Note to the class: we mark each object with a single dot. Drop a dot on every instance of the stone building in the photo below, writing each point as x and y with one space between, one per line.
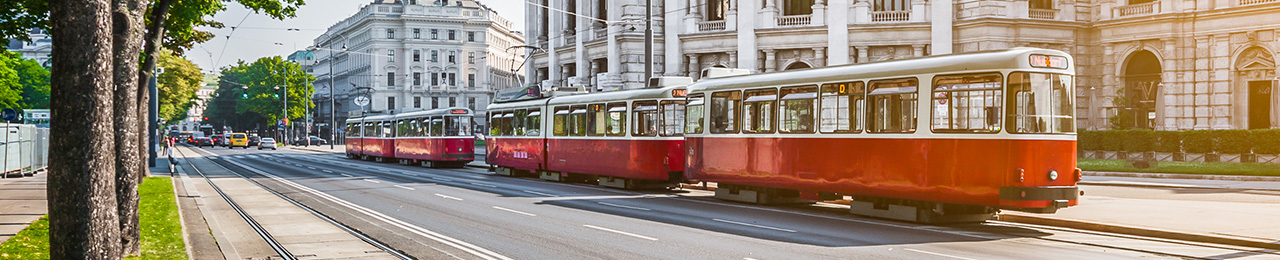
415 55
40 48
1175 64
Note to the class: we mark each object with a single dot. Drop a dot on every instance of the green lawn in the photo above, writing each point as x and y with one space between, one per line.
158 216
1218 168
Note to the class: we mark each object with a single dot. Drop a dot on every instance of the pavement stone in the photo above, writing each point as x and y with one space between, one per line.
22 202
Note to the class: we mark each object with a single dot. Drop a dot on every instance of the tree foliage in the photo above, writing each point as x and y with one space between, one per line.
177 85
262 77
35 84
10 86
19 16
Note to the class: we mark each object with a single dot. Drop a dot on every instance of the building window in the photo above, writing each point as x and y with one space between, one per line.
453 77
417 102
892 5
471 36
391 103
391 55
1041 4
435 102
417 78
453 101
417 33
417 55
435 56
471 80
435 34
391 79
471 58
435 79
716 9
471 103
451 57
451 35
391 33
798 7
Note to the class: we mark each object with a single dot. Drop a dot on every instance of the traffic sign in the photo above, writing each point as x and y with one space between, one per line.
362 101
8 114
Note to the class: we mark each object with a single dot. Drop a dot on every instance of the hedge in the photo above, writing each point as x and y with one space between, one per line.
1233 141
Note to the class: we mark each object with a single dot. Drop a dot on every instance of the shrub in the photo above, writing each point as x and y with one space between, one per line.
1266 141
1086 140
1168 141
1233 141
1137 140
1109 140
1198 141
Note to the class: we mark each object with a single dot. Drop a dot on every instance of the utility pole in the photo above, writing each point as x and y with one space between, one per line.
648 41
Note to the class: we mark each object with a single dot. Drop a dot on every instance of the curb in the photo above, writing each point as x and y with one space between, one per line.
1140 231
1182 176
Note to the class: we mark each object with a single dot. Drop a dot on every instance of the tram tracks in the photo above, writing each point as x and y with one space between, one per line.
271 241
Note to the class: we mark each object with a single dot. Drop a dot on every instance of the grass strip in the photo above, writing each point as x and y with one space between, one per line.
1202 168
158 221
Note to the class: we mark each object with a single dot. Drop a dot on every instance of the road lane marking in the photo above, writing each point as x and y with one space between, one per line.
937 254
539 193
439 179
372 180
453 242
483 185
753 225
309 167
326 171
621 232
448 197
403 187
515 211
347 175
622 206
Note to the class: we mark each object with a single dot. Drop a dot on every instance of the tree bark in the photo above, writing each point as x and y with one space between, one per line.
83 223
151 44
127 26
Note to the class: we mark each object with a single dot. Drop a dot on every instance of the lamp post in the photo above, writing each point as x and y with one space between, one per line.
285 105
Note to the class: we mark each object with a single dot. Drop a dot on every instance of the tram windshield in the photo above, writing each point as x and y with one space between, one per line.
457 126
1041 103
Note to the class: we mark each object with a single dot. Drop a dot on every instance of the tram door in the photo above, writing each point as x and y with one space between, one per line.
1259 104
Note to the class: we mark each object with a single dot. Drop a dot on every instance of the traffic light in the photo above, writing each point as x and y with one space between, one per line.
276 95
245 95
206 118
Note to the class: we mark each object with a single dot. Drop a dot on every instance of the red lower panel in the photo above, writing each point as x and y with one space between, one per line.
354 145
435 149
519 153
961 171
634 159
378 147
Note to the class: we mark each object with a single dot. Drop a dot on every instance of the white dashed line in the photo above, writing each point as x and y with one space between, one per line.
372 180
622 206
439 179
515 211
403 187
448 197
937 254
754 225
326 171
483 185
540 193
346 175
621 232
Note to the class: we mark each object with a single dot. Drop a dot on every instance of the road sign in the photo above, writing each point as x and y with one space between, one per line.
8 114
362 101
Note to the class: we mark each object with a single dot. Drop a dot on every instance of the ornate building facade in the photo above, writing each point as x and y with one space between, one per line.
415 55
1141 63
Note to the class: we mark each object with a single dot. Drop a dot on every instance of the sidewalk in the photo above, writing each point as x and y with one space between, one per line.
22 201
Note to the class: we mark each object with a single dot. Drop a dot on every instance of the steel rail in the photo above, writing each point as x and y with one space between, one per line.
284 253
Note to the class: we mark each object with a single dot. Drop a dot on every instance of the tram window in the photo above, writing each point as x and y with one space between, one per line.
458 125
967 103
672 118
386 130
517 122
437 126
560 122
646 117
798 105
533 122
595 120
495 123
724 111
506 123
578 120
419 127
693 115
616 119
893 106
842 105
758 111
400 127
1040 103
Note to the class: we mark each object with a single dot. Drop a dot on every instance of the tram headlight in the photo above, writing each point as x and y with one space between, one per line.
1053 175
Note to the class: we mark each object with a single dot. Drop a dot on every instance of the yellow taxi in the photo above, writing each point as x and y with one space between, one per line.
238 139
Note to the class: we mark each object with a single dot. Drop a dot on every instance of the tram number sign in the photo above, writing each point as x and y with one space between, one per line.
520 154
458 111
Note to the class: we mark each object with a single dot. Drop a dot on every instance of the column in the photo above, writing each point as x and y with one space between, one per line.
768 15
553 41
940 27
671 41
747 35
695 68
530 25
580 51
691 16
861 12
770 60
919 11
819 57
862 53
614 53
731 16
733 58
917 50
838 32
819 13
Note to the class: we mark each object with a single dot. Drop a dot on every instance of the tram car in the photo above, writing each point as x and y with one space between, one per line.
432 138
950 138
628 139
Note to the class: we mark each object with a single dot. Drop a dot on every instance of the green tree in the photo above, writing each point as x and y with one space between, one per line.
179 82
10 83
261 100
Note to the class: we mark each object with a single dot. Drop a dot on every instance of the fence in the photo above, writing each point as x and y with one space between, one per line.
25 149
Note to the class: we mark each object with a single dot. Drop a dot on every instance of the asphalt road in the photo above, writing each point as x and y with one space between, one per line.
472 214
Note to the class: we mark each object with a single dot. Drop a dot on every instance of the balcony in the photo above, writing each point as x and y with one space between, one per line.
1138 9
1256 2
792 20
601 33
1047 14
890 16
711 26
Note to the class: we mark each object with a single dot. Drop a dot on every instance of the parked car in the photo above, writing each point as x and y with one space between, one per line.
254 140
203 141
267 143
310 140
238 140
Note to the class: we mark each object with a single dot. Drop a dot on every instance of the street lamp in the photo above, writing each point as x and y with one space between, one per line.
285 101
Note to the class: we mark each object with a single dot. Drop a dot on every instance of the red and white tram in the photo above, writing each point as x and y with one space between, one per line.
625 139
995 130
438 137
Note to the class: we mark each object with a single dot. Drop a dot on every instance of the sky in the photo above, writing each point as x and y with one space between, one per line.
258 36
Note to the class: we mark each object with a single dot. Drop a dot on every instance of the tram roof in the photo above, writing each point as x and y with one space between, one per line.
1015 58
435 112
647 93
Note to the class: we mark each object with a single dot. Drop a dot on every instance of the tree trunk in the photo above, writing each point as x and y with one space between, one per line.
151 44
82 204
127 43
